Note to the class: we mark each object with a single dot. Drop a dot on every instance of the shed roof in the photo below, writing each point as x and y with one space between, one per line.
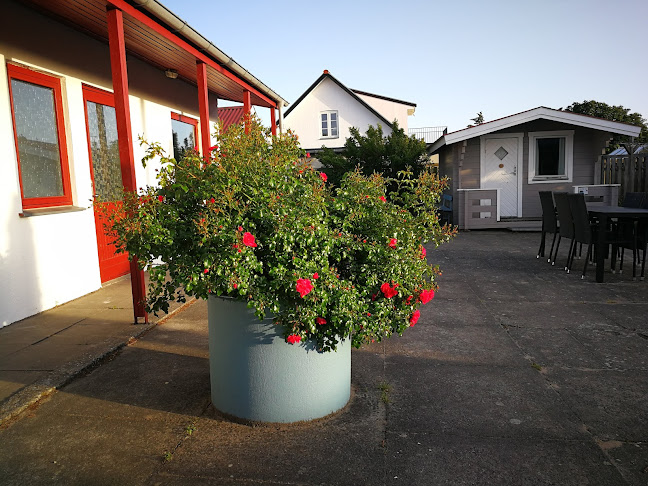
541 112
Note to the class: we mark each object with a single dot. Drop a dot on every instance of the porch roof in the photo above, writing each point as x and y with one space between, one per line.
156 35
537 113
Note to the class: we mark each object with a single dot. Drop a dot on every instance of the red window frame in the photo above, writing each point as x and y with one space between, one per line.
40 79
188 120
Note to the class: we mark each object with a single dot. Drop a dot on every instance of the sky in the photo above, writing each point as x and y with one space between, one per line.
452 58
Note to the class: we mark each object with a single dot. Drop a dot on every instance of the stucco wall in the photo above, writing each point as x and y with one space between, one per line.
305 119
389 109
47 260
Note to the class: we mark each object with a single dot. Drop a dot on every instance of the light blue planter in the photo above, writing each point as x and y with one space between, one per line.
257 376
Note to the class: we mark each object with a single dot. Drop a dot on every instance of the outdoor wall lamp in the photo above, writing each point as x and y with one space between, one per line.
171 73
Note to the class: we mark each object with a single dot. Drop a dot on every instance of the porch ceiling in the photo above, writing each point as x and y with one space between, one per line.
150 45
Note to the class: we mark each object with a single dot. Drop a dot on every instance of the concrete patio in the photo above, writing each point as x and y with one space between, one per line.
516 373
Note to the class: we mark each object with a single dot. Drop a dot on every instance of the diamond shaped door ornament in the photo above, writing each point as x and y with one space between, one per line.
500 153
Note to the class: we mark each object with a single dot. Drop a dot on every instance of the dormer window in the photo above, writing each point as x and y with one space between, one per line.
329 121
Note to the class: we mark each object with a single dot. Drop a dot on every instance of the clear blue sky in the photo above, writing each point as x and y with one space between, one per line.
451 58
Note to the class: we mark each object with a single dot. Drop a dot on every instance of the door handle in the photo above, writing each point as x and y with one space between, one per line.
514 170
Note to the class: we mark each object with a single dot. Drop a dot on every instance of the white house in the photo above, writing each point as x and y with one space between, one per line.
79 81
324 113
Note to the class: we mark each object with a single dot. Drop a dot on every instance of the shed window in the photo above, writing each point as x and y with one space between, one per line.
550 156
39 132
329 124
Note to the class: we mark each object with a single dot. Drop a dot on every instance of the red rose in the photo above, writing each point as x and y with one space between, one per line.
392 243
212 200
308 154
213 147
423 252
388 291
383 199
240 228
235 286
248 240
323 176
320 320
415 317
160 198
206 270
315 276
304 286
426 296
293 338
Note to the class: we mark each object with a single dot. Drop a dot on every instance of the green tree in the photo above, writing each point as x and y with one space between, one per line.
613 113
375 152
478 120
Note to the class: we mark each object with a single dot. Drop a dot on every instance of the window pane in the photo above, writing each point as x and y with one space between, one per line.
333 117
550 156
38 145
324 118
104 150
183 138
324 125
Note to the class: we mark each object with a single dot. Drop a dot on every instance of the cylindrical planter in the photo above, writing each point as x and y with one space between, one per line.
257 376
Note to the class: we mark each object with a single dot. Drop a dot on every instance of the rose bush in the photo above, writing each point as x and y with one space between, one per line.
254 221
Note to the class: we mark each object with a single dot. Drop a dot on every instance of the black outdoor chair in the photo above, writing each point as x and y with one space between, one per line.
584 231
549 222
631 235
565 224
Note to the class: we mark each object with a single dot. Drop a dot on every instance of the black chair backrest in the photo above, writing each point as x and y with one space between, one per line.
564 215
582 228
644 204
633 199
549 223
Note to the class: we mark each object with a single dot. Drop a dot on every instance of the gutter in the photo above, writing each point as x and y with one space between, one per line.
183 28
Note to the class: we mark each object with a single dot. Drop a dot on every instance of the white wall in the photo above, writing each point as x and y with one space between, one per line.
47 260
305 119
391 110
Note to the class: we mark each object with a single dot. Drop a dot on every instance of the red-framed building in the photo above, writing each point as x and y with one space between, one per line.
80 80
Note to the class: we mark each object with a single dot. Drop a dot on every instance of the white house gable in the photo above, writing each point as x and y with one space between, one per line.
327 99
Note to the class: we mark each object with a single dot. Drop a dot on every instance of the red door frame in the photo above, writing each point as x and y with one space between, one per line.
116 265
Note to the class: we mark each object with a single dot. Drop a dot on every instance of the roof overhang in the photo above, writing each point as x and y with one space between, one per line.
156 35
537 114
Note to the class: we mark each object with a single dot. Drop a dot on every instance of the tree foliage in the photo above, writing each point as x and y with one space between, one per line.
375 152
612 113
478 120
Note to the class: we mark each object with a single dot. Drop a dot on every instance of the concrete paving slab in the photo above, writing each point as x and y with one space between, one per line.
630 458
12 381
444 335
75 449
421 459
613 405
551 347
430 397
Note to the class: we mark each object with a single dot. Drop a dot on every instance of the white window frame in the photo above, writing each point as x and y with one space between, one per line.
568 135
328 123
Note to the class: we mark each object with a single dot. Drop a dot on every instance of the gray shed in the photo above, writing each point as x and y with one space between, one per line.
496 169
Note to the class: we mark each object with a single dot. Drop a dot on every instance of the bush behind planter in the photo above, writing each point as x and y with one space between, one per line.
256 222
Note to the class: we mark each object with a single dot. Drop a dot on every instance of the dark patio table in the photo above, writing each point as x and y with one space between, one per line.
603 213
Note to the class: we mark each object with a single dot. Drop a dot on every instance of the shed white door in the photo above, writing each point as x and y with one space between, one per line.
500 171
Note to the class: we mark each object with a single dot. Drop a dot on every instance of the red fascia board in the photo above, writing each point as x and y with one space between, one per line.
141 17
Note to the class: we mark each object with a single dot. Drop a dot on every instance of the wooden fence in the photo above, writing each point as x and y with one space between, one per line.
630 172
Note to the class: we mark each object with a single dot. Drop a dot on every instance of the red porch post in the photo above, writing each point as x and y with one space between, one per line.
203 106
126 154
247 107
273 122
